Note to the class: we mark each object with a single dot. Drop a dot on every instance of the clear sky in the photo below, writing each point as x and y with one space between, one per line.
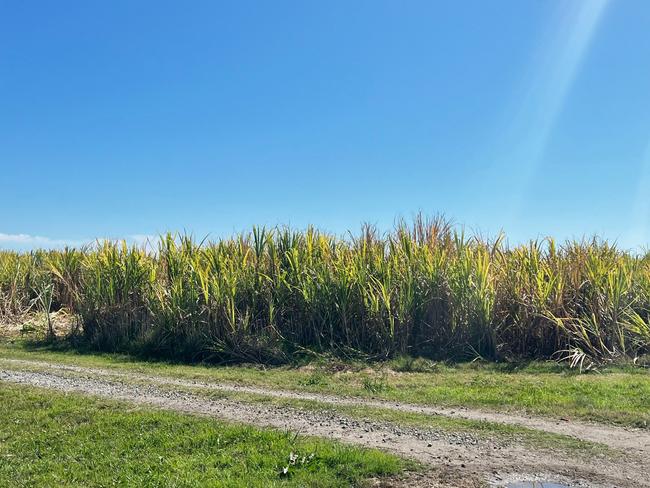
130 118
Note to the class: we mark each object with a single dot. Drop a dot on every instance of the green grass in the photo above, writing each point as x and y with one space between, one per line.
53 439
618 395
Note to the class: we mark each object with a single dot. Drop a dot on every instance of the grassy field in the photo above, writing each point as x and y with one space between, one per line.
270 296
51 439
617 394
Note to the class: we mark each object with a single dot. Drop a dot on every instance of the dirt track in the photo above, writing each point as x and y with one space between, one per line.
459 459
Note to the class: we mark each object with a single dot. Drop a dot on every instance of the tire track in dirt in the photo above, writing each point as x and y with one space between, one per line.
626 439
465 458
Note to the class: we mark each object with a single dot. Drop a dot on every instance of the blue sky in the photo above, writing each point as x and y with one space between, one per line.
123 119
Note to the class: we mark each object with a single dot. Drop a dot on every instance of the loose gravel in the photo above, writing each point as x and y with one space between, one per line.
453 456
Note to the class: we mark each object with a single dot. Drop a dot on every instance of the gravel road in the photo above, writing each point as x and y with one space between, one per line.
455 459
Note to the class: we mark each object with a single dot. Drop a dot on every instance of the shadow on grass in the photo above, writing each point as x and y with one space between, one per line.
332 361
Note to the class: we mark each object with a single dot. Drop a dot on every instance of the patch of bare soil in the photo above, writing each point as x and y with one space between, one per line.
454 459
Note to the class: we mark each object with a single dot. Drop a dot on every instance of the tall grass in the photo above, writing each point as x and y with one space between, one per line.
21 278
424 288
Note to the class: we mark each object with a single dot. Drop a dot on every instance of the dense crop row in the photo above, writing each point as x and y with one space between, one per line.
423 289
